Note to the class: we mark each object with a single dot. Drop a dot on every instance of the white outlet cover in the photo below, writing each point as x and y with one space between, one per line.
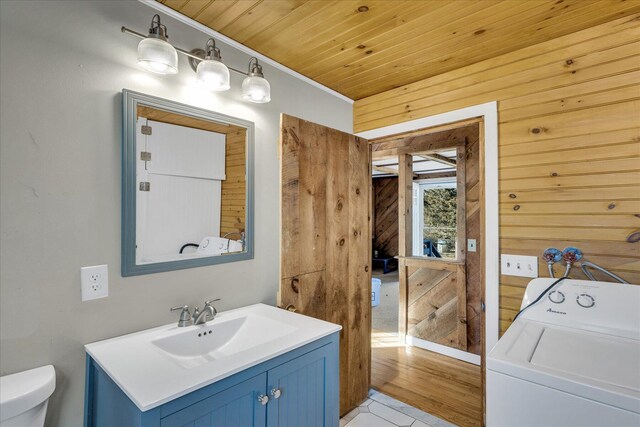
94 282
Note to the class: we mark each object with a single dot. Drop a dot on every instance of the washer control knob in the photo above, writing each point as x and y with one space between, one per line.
585 300
556 297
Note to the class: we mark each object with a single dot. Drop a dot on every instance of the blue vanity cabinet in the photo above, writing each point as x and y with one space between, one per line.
236 406
302 386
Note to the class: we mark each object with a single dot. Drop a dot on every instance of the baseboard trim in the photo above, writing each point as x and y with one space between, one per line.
443 349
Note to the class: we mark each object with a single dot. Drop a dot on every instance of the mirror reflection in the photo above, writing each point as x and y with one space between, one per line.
190 186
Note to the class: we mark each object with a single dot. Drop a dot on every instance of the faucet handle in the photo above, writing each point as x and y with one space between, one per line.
214 311
185 316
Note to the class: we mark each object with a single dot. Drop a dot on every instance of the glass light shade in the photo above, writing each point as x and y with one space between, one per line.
256 89
214 75
157 56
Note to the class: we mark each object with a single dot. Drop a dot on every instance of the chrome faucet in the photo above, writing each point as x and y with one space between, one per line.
239 233
208 313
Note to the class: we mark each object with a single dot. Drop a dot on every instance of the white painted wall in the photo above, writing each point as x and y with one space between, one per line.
63 66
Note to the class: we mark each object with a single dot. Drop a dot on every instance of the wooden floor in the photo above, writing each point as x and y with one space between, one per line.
442 386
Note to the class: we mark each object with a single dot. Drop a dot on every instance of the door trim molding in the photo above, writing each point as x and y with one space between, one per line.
489 113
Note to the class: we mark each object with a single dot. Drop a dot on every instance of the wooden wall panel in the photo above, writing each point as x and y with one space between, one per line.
385 215
234 188
569 143
326 240
436 302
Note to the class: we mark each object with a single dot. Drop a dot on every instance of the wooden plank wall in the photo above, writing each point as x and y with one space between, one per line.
325 257
385 215
569 143
234 188
436 301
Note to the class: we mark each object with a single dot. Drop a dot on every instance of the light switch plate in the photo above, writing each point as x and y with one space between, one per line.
519 265
471 245
95 282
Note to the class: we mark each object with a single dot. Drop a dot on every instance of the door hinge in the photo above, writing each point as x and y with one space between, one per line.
145 186
482 306
145 155
146 130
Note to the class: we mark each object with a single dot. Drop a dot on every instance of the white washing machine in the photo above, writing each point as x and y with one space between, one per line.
572 359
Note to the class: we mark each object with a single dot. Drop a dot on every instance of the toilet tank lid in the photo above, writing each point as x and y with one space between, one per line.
22 391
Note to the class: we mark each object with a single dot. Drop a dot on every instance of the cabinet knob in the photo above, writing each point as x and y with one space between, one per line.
275 393
263 399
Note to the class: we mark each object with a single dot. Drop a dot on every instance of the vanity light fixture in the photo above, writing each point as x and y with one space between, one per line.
157 55
212 73
255 88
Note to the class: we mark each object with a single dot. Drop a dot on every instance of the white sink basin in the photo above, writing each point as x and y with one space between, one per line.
195 346
157 365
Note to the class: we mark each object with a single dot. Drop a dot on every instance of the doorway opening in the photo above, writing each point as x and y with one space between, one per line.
427 286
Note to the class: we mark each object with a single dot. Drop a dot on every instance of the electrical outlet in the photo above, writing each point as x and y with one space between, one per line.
519 265
95 282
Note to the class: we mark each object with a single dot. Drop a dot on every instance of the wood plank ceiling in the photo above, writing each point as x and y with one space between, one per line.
363 47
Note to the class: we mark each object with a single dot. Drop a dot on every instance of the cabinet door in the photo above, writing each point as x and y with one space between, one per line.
308 393
237 406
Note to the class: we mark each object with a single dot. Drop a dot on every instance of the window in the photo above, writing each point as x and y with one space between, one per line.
439 227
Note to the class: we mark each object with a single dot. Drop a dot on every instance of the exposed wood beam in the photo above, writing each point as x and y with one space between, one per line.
385 169
439 158
390 147
405 204
405 233
441 130
414 145
436 175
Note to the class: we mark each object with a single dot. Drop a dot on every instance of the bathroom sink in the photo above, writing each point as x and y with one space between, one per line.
158 365
195 346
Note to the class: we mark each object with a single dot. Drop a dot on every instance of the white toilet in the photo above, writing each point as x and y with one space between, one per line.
24 397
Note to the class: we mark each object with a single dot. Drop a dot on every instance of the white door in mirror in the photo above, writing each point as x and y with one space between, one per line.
95 282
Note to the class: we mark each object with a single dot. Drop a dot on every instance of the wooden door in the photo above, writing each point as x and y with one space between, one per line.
326 240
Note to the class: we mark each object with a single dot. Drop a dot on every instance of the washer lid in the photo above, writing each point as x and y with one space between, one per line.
604 358
595 366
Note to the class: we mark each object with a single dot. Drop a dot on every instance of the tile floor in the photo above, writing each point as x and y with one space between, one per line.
381 410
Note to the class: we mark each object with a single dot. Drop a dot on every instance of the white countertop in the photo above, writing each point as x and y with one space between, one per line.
150 377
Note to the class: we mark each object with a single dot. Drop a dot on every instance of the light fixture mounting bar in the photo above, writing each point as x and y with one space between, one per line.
182 51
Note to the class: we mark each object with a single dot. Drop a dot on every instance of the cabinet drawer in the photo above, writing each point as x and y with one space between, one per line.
237 406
